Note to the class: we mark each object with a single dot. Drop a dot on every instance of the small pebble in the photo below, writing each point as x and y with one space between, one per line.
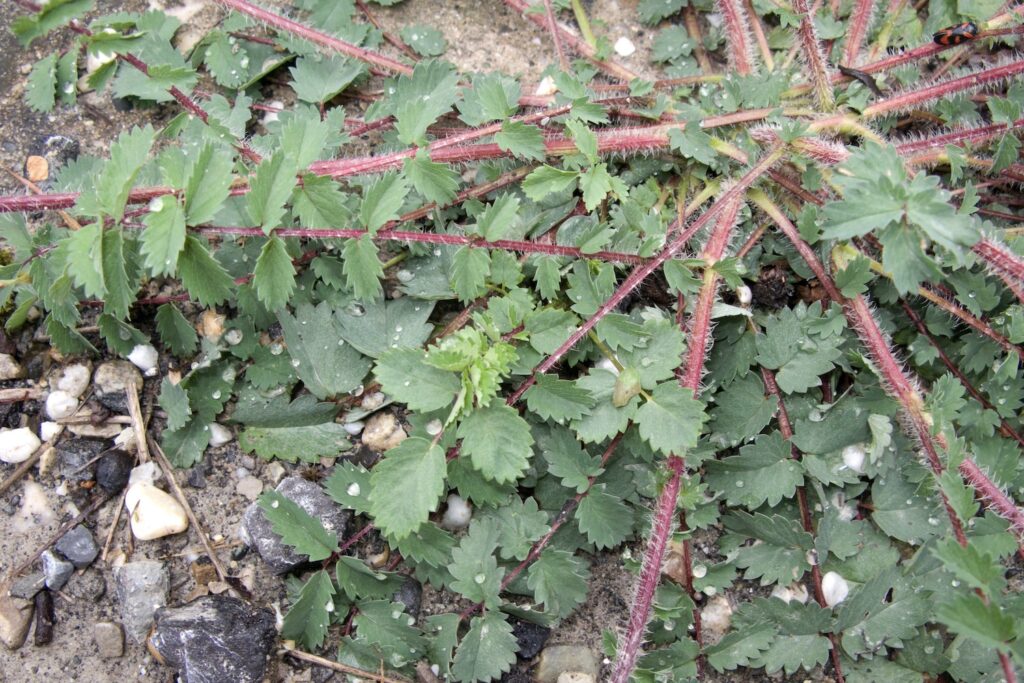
546 87
27 586
624 47
558 659
382 432
211 325
10 368
74 379
142 589
60 404
716 617
45 617
109 639
154 512
457 514
854 456
111 379
113 470
48 430
275 472
125 440
372 401
145 358
249 487
835 588
219 435
37 169
18 445
15 617
78 546
56 571
354 428
744 295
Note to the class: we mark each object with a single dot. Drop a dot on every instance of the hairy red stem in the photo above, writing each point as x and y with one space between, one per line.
553 30
858 25
815 58
944 89
737 35
1003 262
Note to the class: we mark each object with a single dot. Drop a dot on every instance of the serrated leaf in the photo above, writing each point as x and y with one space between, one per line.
971 566
209 180
85 259
379 326
474 567
269 370
307 621
740 648
794 652
120 336
427 41
270 188
521 140
568 461
254 410
349 485
274 276
164 237
558 399
174 400
298 528
763 472
742 409
596 183
363 268
41 89
405 376
204 278
324 367
358 581
486 651
496 220
520 523
407 485
604 420
421 98
292 444
184 447
559 580
384 624
320 202
436 182
120 292
317 79
493 96
49 16
127 157
604 518
547 179
986 623
469 271
498 441
854 278
224 59
671 419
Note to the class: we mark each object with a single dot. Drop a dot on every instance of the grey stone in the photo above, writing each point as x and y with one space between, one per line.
109 638
215 638
27 586
558 659
79 546
113 470
280 557
56 570
76 458
142 589
110 381
410 594
89 585
530 637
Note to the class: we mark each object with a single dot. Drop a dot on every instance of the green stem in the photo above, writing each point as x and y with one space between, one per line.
583 23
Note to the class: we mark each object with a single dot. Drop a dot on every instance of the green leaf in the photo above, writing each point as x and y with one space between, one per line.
427 41
51 14
379 326
559 580
174 400
405 376
274 276
604 518
547 179
870 619
184 447
320 202
967 615
520 523
971 566
307 621
436 182
596 183
324 367
781 558
521 140
584 139
209 180
798 359
164 237
382 623
498 218
854 278
270 188
693 143
120 292
763 472
121 337
127 156
740 648
568 461
558 399
493 97
298 528
469 271
474 567
175 331
486 651
291 444
407 485
498 441
41 89
420 99
357 580
363 268
793 652
254 410
85 259
382 201
742 409
671 419
349 485
204 278
316 78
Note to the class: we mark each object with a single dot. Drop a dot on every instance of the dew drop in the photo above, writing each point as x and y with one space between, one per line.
434 427
480 578
233 336
405 275
353 489
276 349
355 309
216 395
739 483
699 571
296 362
275 504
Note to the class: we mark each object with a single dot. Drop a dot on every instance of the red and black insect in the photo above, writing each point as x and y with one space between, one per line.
954 35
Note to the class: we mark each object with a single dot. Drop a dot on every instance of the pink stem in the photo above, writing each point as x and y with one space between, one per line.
858 25
553 29
812 53
737 34
945 89
1003 262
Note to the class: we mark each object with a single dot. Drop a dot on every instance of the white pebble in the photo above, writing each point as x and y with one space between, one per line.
271 116
18 445
716 617
546 87
788 593
154 513
457 514
219 434
354 428
125 440
145 358
10 368
744 295
74 379
853 457
624 47
48 430
372 401
60 404
835 588
146 473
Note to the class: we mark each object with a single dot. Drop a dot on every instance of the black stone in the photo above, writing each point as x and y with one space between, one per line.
77 456
530 637
113 470
410 594
215 638
45 617
78 546
310 497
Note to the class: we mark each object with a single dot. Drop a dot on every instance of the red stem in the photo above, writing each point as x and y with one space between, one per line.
945 89
737 33
857 29
388 36
553 30
1003 262
812 53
